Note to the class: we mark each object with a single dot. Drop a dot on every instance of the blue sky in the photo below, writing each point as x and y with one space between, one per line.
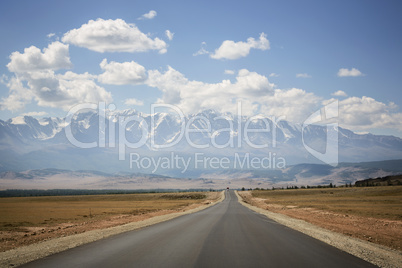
282 58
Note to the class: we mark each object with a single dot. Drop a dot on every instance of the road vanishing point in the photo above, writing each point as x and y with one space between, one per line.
224 235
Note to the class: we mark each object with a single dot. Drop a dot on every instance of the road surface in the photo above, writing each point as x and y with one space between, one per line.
225 235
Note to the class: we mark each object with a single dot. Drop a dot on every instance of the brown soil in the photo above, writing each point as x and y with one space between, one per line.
380 231
22 236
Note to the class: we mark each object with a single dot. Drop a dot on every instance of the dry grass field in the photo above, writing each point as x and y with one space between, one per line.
26 220
40 211
377 202
370 213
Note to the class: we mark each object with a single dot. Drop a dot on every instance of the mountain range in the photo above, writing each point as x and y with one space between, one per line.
28 143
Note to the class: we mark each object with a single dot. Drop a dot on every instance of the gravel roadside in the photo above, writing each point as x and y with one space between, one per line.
370 252
33 252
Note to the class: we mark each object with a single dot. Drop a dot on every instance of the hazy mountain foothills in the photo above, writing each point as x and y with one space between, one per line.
35 153
301 175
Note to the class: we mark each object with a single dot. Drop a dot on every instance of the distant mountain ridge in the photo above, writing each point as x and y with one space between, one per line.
30 143
299 175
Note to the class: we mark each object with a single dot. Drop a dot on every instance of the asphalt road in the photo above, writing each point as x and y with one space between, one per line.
225 235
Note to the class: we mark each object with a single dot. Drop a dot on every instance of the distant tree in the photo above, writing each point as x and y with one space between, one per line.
243 189
330 185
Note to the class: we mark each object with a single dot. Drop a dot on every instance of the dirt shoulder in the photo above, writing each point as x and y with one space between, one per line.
352 234
41 242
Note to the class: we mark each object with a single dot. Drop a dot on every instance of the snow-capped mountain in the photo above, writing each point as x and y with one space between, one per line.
27 142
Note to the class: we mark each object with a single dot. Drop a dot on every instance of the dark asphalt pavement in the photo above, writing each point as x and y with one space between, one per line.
225 235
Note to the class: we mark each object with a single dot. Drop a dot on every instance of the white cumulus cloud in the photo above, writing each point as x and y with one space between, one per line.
169 35
343 72
66 90
133 102
18 96
340 93
253 90
116 73
48 89
54 57
34 114
293 105
202 50
273 75
113 36
234 50
35 80
231 72
303 75
365 113
150 15
195 96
